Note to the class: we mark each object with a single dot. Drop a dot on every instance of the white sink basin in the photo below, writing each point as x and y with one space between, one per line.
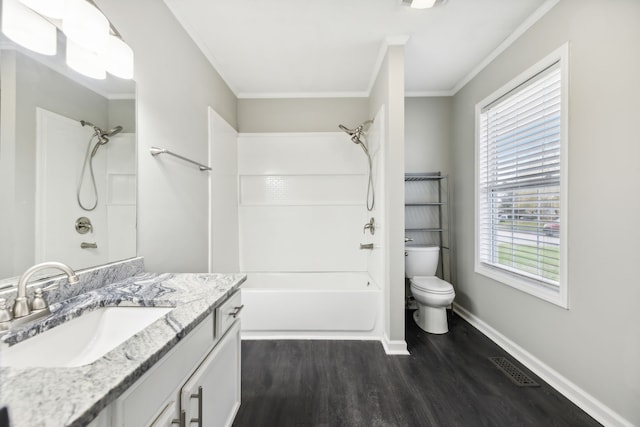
82 340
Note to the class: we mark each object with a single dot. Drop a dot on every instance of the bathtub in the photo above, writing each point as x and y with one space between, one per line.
311 306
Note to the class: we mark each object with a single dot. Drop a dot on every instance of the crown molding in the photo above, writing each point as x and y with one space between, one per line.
515 35
396 40
297 95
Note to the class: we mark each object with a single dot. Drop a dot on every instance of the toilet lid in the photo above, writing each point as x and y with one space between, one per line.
432 284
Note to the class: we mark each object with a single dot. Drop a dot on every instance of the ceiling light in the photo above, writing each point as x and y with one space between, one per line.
119 58
52 8
27 28
419 4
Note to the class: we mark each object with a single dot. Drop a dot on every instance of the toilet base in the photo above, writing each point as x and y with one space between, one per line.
431 320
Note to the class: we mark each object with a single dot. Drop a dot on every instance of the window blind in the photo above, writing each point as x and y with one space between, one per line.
519 179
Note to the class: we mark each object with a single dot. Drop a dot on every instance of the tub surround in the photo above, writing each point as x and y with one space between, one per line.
75 396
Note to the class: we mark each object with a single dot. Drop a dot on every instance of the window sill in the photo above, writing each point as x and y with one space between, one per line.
531 287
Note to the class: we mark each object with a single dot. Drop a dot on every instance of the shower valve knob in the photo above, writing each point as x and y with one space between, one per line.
83 225
371 226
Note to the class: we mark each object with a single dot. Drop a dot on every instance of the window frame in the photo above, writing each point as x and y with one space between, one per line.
560 295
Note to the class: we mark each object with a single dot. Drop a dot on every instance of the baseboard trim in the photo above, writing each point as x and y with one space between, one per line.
391 347
394 347
270 335
592 406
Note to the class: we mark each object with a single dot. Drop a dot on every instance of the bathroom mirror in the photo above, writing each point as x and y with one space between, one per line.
43 149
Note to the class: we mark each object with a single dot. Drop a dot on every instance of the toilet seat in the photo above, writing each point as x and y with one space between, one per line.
432 284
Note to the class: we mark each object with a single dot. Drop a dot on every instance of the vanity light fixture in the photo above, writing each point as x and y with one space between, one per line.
87 62
53 9
119 58
27 28
85 25
421 4
94 46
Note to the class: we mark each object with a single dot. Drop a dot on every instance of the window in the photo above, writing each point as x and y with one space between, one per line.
521 181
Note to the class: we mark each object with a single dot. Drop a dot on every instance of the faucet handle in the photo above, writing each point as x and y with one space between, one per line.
21 307
5 315
371 226
38 303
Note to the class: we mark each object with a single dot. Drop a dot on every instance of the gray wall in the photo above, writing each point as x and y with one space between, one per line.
596 343
122 112
388 91
33 85
300 114
175 85
427 134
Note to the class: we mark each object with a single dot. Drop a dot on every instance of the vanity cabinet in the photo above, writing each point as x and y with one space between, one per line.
211 397
196 384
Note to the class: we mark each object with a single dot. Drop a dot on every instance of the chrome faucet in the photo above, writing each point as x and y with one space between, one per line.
21 306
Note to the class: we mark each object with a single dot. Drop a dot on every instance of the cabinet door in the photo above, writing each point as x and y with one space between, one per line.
168 417
211 397
146 400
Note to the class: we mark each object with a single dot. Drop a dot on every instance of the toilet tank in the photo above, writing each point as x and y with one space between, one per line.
421 260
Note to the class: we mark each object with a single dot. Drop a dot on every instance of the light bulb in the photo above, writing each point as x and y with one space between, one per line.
85 61
85 25
422 4
51 8
27 28
119 58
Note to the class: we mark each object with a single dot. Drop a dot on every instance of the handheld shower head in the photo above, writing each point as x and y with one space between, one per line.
355 135
102 134
357 132
113 131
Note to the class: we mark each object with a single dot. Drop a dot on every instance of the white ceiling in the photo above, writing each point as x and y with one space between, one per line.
293 48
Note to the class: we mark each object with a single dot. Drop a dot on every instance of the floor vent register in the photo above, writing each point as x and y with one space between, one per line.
516 375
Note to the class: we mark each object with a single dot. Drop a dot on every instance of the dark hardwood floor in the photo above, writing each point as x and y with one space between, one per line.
446 381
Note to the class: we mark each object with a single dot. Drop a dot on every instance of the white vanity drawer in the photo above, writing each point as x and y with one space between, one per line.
140 405
227 313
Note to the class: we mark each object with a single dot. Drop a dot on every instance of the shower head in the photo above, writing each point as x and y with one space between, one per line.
355 135
357 132
103 137
102 134
113 131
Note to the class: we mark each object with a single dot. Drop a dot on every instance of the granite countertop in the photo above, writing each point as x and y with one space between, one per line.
75 396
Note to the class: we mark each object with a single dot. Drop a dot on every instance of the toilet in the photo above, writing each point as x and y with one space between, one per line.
432 294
